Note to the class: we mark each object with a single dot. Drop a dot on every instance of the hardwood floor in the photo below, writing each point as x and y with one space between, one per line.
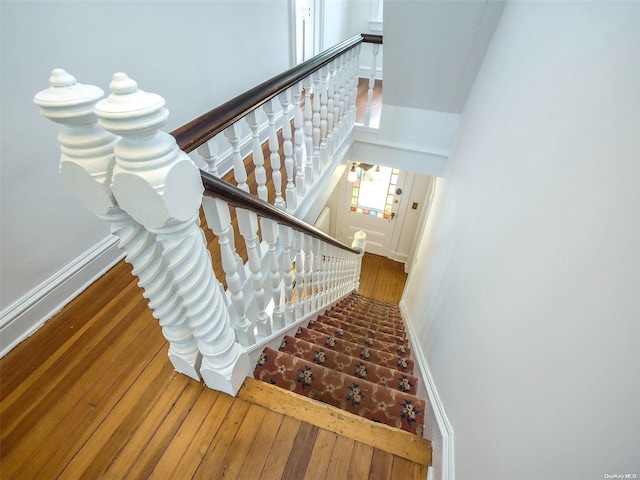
93 395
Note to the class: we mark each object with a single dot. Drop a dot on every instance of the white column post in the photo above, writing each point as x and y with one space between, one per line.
86 167
160 187
270 109
258 156
290 192
372 83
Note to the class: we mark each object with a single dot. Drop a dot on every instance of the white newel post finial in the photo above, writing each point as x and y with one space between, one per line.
160 187
86 167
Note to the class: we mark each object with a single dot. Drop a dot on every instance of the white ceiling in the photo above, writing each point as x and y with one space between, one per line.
433 50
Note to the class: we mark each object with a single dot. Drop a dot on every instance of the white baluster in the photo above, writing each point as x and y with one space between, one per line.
258 156
232 134
286 272
209 153
354 84
321 263
270 109
248 227
359 243
160 187
298 244
324 73
308 270
86 167
287 146
343 97
316 122
331 92
372 83
269 230
315 274
219 220
298 124
308 131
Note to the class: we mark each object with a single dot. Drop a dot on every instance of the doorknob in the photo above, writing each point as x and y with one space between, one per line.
393 215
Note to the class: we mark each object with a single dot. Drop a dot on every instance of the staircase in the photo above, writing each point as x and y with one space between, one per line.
354 357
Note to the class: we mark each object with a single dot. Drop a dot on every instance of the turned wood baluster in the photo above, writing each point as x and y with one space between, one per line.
331 92
269 229
270 109
308 271
336 103
343 96
315 274
298 123
209 153
219 220
348 91
316 122
258 157
248 227
372 83
324 157
287 146
232 134
86 167
160 187
298 242
308 131
287 273
354 84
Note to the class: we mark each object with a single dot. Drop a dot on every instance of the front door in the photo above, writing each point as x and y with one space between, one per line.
373 202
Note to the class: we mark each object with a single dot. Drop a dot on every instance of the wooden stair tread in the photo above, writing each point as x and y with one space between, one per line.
333 419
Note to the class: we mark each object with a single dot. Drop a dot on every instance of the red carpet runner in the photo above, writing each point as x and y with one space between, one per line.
354 357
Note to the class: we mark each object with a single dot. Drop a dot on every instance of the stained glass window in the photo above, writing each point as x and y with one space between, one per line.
373 192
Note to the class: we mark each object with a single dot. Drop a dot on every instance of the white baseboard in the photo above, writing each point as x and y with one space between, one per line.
443 439
22 318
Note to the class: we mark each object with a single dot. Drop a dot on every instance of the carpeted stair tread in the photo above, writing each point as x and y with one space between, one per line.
392 309
353 366
359 319
403 364
368 325
369 400
381 320
400 350
364 331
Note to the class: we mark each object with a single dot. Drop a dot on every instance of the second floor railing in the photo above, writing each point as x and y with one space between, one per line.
118 162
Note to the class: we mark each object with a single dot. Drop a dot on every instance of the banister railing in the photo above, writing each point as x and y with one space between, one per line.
151 198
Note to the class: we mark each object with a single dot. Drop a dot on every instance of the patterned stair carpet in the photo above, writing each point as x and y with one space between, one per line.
354 357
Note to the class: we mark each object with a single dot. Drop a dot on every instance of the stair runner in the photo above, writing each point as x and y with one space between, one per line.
354 357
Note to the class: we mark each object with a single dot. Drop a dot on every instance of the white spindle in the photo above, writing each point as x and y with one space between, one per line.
232 134
308 131
298 244
324 73
315 274
308 271
286 272
331 92
209 153
248 227
270 109
287 146
86 167
298 124
219 220
160 187
316 122
258 156
372 83
354 84
269 230
343 96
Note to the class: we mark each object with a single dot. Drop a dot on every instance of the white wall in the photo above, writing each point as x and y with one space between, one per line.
525 291
196 54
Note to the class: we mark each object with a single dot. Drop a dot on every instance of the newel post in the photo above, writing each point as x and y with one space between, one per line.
86 166
160 187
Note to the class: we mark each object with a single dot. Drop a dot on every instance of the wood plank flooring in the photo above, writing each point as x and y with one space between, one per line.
93 395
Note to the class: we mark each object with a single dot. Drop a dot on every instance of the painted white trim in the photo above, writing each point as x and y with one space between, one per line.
23 317
364 72
446 462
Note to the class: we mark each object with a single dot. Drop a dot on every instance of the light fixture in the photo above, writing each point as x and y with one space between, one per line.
353 174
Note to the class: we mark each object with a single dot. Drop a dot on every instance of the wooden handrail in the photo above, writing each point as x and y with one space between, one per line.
216 188
193 134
